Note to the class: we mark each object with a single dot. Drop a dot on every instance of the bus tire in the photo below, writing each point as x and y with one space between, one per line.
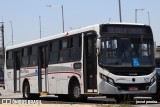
26 90
119 98
156 98
130 97
75 91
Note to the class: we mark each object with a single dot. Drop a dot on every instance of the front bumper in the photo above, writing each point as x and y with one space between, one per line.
106 88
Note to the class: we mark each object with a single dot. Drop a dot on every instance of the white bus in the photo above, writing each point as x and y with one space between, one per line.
104 59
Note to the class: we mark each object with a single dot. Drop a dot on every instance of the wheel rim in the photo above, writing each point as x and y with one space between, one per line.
76 92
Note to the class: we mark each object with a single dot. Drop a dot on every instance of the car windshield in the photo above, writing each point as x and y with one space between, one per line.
126 52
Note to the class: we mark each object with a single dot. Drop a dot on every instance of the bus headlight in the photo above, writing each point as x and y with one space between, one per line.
107 79
153 79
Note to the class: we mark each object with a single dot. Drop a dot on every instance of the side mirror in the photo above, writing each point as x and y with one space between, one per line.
98 45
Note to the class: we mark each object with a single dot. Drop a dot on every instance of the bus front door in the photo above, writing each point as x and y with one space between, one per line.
17 71
90 64
42 67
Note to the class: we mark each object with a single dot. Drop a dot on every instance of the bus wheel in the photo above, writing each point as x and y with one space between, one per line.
155 98
130 97
75 91
26 90
119 98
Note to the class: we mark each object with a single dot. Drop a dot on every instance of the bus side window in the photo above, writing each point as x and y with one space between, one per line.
25 57
54 52
64 50
75 50
9 60
33 56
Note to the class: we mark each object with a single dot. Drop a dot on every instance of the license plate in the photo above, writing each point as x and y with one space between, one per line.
133 88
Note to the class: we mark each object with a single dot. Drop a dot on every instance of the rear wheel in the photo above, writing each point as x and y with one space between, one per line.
26 90
27 94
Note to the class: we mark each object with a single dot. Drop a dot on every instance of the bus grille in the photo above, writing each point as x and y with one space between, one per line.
143 86
131 72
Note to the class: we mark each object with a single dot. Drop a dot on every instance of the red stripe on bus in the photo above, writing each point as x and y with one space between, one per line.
54 73
30 68
65 73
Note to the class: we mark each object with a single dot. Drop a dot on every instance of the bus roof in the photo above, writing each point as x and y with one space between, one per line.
125 23
80 30
84 29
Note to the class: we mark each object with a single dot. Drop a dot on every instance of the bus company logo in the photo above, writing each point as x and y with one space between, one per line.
16 101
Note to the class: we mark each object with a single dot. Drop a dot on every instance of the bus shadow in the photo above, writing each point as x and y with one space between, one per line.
95 100
46 100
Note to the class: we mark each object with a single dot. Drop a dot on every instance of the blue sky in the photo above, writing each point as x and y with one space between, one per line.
24 15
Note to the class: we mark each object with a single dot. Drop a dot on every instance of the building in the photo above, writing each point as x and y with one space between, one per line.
157 53
1 57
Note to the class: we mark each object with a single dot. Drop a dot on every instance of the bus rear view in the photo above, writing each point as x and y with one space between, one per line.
126 60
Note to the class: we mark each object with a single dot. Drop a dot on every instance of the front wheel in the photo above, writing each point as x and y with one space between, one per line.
156 98
123 98
75 92
119 98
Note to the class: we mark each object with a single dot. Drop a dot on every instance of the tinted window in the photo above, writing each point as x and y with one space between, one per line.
33 61
54 52
25 57
75 50
66 49
64 52
9 60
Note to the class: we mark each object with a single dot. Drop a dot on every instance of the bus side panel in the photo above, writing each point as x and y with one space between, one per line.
9 80
34 84
53 73
31 74
59 77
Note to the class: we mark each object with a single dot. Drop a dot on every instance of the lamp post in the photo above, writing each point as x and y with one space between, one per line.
62 18
136 14
148 18
120 17
12 31
109 19
62 15
3 48
40 31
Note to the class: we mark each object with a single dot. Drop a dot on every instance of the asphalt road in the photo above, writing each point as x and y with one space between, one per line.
138 101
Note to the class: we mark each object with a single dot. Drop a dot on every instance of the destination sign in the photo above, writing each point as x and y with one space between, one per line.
124 29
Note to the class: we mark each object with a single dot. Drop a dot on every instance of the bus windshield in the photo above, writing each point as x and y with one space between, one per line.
131 52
